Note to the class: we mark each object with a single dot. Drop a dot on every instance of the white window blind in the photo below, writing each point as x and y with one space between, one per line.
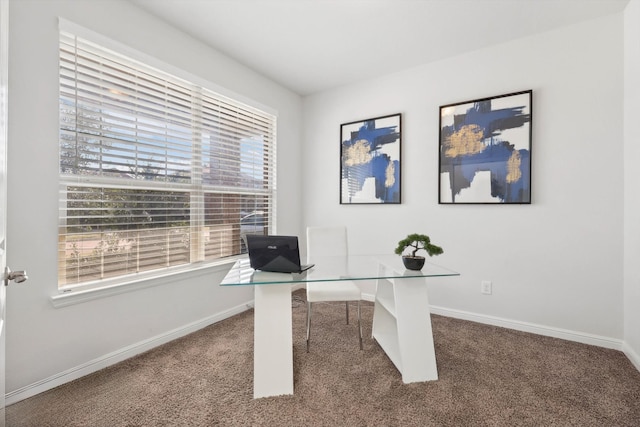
155 172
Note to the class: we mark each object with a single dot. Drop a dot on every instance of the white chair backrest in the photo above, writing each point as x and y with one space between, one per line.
323 241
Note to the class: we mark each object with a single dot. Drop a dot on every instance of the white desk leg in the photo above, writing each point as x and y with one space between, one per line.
415 335
272 341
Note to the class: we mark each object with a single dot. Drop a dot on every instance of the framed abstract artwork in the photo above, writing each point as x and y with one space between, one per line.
370 160
485 150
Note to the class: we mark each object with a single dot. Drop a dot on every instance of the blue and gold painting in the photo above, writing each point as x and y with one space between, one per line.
485 150
370 161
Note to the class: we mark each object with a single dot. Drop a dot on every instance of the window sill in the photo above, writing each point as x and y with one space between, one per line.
72 297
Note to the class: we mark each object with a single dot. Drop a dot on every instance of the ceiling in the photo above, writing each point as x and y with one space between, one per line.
313 45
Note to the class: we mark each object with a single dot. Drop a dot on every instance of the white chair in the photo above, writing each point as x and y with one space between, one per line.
324 241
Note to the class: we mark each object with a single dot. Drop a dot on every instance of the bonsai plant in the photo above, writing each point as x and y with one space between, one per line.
416 242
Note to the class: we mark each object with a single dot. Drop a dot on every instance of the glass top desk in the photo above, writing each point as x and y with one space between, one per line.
401 318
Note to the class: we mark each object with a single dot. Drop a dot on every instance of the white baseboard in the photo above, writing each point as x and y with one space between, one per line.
368 297
135 349
533 328
631 355
118 356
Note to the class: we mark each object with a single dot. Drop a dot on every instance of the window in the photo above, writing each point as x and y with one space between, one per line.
155 172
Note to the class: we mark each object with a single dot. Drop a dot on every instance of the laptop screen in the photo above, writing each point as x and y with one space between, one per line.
274 253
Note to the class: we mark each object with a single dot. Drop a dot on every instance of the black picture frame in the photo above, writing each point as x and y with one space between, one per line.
370 160
485 150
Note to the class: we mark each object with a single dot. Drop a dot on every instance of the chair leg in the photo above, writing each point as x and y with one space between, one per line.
347 308
347 304
308 323
359 326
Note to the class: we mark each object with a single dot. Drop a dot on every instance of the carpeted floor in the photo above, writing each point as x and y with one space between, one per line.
489 376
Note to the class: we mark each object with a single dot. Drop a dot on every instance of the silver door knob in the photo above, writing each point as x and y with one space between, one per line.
15 276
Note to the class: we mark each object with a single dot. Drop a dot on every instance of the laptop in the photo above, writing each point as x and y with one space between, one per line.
279 254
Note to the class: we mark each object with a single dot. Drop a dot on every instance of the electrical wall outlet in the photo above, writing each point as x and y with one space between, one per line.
485 287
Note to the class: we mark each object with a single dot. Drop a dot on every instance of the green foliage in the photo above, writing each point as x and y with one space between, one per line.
417 242
97 209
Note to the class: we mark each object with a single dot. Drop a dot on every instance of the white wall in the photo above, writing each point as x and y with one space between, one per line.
632 184
44 343
555 264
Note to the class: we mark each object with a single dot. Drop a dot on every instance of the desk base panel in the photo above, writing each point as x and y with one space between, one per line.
273 341
402 327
